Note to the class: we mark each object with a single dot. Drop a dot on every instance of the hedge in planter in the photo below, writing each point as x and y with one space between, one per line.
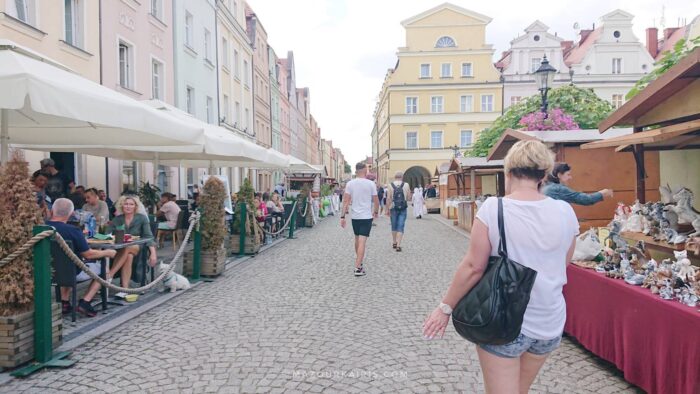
252 238
213 229
19 213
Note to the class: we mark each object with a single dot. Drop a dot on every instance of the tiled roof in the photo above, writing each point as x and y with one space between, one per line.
667 43
578 52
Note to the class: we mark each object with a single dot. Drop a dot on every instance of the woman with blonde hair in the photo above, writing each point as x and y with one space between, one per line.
540 234
137 224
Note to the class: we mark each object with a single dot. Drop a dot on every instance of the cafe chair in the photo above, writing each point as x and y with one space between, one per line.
65 274
175 233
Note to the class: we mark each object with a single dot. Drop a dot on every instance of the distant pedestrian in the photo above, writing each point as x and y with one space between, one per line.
382 201
361 193
397 202
280 189
418 202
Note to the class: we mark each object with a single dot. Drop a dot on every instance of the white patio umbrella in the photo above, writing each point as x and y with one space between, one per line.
43 105
220 147
298 166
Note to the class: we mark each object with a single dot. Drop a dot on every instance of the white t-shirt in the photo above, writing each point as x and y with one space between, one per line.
361 191
538 235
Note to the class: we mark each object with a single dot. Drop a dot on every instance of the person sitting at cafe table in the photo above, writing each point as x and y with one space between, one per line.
135 224
95 206
60 213
169 210
110 205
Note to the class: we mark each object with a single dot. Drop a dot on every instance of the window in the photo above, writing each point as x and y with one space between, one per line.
210 109
515 100
237 114
412 140
466 103
73 22
425 70
126 63
436 104
236 66
207 44
465 139
445 42
190 100
617 100
224 53
157 8
467 70
436 139
226 104
189 29
23 10
246 79
446 70
535 63
487 103
156 80
617 65
411 105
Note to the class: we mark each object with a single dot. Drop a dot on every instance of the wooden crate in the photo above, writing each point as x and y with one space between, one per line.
251 245
17 336
213 263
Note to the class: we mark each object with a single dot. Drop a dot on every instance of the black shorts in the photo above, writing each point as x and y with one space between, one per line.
362 227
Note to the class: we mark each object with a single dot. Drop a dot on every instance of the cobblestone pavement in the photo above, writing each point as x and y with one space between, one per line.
295 319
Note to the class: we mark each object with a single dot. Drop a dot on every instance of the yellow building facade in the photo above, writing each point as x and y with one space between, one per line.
442 93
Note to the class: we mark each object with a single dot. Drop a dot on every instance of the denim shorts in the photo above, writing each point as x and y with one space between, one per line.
523 344
398 219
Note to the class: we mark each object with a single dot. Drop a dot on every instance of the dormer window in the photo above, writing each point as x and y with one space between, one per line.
445 42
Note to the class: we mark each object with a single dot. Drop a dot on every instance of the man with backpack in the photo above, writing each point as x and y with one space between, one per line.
398 195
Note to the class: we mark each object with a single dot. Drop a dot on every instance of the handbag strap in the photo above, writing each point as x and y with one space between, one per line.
502 247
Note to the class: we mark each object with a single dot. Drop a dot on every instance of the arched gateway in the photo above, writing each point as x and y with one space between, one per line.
416 176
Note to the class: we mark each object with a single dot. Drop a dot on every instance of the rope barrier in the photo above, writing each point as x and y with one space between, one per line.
194 220
289 219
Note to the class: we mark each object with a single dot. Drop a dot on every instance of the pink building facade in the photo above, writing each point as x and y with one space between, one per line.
284 106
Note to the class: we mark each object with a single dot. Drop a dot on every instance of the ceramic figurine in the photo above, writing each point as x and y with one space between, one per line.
651 266
666 194
666 292
685 270
650 280
684 209
635 279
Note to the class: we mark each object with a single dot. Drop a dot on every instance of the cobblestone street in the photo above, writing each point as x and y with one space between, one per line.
295 319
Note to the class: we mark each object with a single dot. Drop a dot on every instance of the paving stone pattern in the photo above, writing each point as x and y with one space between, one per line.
295 319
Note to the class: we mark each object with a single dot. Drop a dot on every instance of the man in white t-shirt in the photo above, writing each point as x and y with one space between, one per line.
361 193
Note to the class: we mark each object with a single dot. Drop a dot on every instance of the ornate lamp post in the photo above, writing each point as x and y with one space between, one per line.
545 79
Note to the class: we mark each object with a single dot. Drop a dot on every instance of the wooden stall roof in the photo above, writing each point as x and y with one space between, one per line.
510 137
679 136
476 163
676 79
443 168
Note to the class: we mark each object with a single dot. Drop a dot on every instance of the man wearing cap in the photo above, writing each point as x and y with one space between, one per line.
58 183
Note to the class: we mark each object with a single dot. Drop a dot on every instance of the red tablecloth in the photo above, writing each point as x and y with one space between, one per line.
656 343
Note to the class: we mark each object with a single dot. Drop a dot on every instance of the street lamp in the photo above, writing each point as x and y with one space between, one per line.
545 79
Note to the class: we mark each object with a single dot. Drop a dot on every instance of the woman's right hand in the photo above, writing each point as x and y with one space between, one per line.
607 193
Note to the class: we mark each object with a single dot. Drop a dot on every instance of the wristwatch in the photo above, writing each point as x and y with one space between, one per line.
446 309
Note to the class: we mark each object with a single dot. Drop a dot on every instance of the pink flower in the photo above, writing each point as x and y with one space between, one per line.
557 119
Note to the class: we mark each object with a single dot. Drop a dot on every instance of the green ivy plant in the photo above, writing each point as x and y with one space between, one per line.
583 104
669 59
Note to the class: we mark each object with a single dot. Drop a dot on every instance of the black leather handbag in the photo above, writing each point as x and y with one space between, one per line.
492 311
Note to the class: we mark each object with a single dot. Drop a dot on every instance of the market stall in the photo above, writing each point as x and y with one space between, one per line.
638 307
592 170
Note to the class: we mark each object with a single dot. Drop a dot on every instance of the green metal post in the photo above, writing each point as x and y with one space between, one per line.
42 297
303 218
243 219
292 222
197 252
43 345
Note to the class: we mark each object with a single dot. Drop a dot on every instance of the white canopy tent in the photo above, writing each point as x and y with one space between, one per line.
43 105
298 166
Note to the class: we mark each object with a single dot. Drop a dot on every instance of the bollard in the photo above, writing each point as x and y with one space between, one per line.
244 219
43 345
197 250
292 222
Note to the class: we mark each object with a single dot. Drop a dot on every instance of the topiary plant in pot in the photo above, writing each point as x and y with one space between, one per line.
213 229
19 213
246 195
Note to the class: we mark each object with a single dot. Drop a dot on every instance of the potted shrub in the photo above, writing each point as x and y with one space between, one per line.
253 234
19 213
213 229
149 196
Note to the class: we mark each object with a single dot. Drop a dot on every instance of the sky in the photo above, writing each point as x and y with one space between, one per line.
343 48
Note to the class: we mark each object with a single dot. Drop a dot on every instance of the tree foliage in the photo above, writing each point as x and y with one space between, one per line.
213 220
586 108
19 213
670 59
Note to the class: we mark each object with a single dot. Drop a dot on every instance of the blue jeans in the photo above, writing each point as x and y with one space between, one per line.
398 220
523 344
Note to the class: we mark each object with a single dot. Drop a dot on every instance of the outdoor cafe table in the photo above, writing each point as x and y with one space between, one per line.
656 343
102 245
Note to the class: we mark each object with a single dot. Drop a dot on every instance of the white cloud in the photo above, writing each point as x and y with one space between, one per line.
342 48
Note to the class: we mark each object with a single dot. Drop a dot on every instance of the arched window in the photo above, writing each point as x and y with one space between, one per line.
445 42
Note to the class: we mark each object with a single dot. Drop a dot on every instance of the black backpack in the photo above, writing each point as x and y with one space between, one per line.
398 198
